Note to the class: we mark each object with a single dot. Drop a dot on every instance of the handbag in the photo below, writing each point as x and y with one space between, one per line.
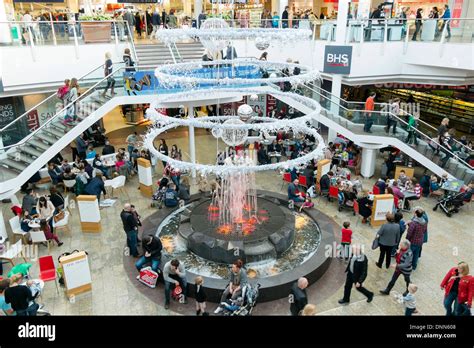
375 244
59 216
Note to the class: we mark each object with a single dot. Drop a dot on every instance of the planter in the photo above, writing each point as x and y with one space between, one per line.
96 32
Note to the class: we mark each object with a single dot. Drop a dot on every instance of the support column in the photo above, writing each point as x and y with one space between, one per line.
197 8
192 146
367 168
341 31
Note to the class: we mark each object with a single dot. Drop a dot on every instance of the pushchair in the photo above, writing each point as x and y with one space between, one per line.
450 204
158 198
242 306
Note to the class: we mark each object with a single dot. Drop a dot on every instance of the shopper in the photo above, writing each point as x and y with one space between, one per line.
369 108
392 116
174 273
130 226
346 238
409 300
4 307
127 59
71 114
356 274
458 286
96 186
152 253
29 201
298 298
446 17
418 23
200 296
388 235
19 297
412 129
81 146
416 234
132 141
403 266
284 18
56 198
44 226
163 149
108 69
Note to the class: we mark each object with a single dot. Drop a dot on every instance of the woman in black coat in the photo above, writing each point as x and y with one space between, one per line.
365 208
138 24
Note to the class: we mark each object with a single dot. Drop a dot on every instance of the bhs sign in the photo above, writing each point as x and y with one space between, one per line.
337 60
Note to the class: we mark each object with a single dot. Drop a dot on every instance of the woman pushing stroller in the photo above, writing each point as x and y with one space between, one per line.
238 279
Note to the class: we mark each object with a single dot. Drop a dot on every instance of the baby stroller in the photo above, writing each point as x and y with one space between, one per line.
451 203
243 305
158 198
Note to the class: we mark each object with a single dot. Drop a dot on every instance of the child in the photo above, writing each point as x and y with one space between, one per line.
200 297
410 301
307 203
346 239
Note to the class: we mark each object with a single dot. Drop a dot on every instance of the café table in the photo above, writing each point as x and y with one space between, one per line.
406 195
34 225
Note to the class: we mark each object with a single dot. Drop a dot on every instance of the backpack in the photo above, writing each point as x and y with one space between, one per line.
62 92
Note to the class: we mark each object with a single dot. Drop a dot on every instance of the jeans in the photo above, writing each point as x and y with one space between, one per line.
461 309
348 288
368 123
297 199
234 296
391 123
448 303
385 252
182 282
132 242
411 136
395 276
346 250
175 180
417 30
144 260
448 28
416 254
29 312
409 311
445 159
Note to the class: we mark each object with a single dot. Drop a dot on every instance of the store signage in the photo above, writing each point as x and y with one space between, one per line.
337 60
42 1
32 119
138 1
421 86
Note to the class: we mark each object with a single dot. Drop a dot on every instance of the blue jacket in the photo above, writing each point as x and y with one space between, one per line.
171 198
446 14
95 187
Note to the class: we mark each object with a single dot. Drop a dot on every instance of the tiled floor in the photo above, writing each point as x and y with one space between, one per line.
450 240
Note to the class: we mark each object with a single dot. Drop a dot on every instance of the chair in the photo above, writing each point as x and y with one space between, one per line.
13 252
66 204
48 270
63 224
356 211
303 181
38 237
376 190
16 229
333 192
118 183
286 179
69 184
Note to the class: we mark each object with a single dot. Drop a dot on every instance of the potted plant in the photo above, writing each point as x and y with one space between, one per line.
94 30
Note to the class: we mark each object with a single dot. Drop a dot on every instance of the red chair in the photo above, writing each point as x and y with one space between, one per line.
48 270
333 192
356 207
302 180
286 179
375 190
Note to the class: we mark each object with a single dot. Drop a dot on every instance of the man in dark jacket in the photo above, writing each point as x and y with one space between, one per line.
284 18
29 202
171 196
81 146
130 226
325 182
404 259
108 149
298 297
96 186
356 273
152 247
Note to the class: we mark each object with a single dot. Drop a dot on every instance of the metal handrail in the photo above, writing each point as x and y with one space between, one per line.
132 42
402 122
45 100
386 104
60 112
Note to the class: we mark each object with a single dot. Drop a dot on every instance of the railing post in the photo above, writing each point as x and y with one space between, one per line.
442 40
32 44
349 33
76 43
385 36
52 29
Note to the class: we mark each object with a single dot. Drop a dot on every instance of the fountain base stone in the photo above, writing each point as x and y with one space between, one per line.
269 238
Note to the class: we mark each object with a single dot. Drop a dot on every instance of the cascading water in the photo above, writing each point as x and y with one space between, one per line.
234 204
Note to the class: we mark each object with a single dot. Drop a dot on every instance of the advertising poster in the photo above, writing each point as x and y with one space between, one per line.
259 106
383 207
140 81
271 104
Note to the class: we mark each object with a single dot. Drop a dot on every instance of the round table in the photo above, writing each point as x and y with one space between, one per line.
34 225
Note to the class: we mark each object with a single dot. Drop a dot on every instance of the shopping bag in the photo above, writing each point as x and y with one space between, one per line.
148 277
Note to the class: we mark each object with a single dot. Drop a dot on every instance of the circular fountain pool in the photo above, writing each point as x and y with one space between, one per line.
275 270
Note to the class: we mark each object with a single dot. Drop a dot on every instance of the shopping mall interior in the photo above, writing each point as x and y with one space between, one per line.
236 157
